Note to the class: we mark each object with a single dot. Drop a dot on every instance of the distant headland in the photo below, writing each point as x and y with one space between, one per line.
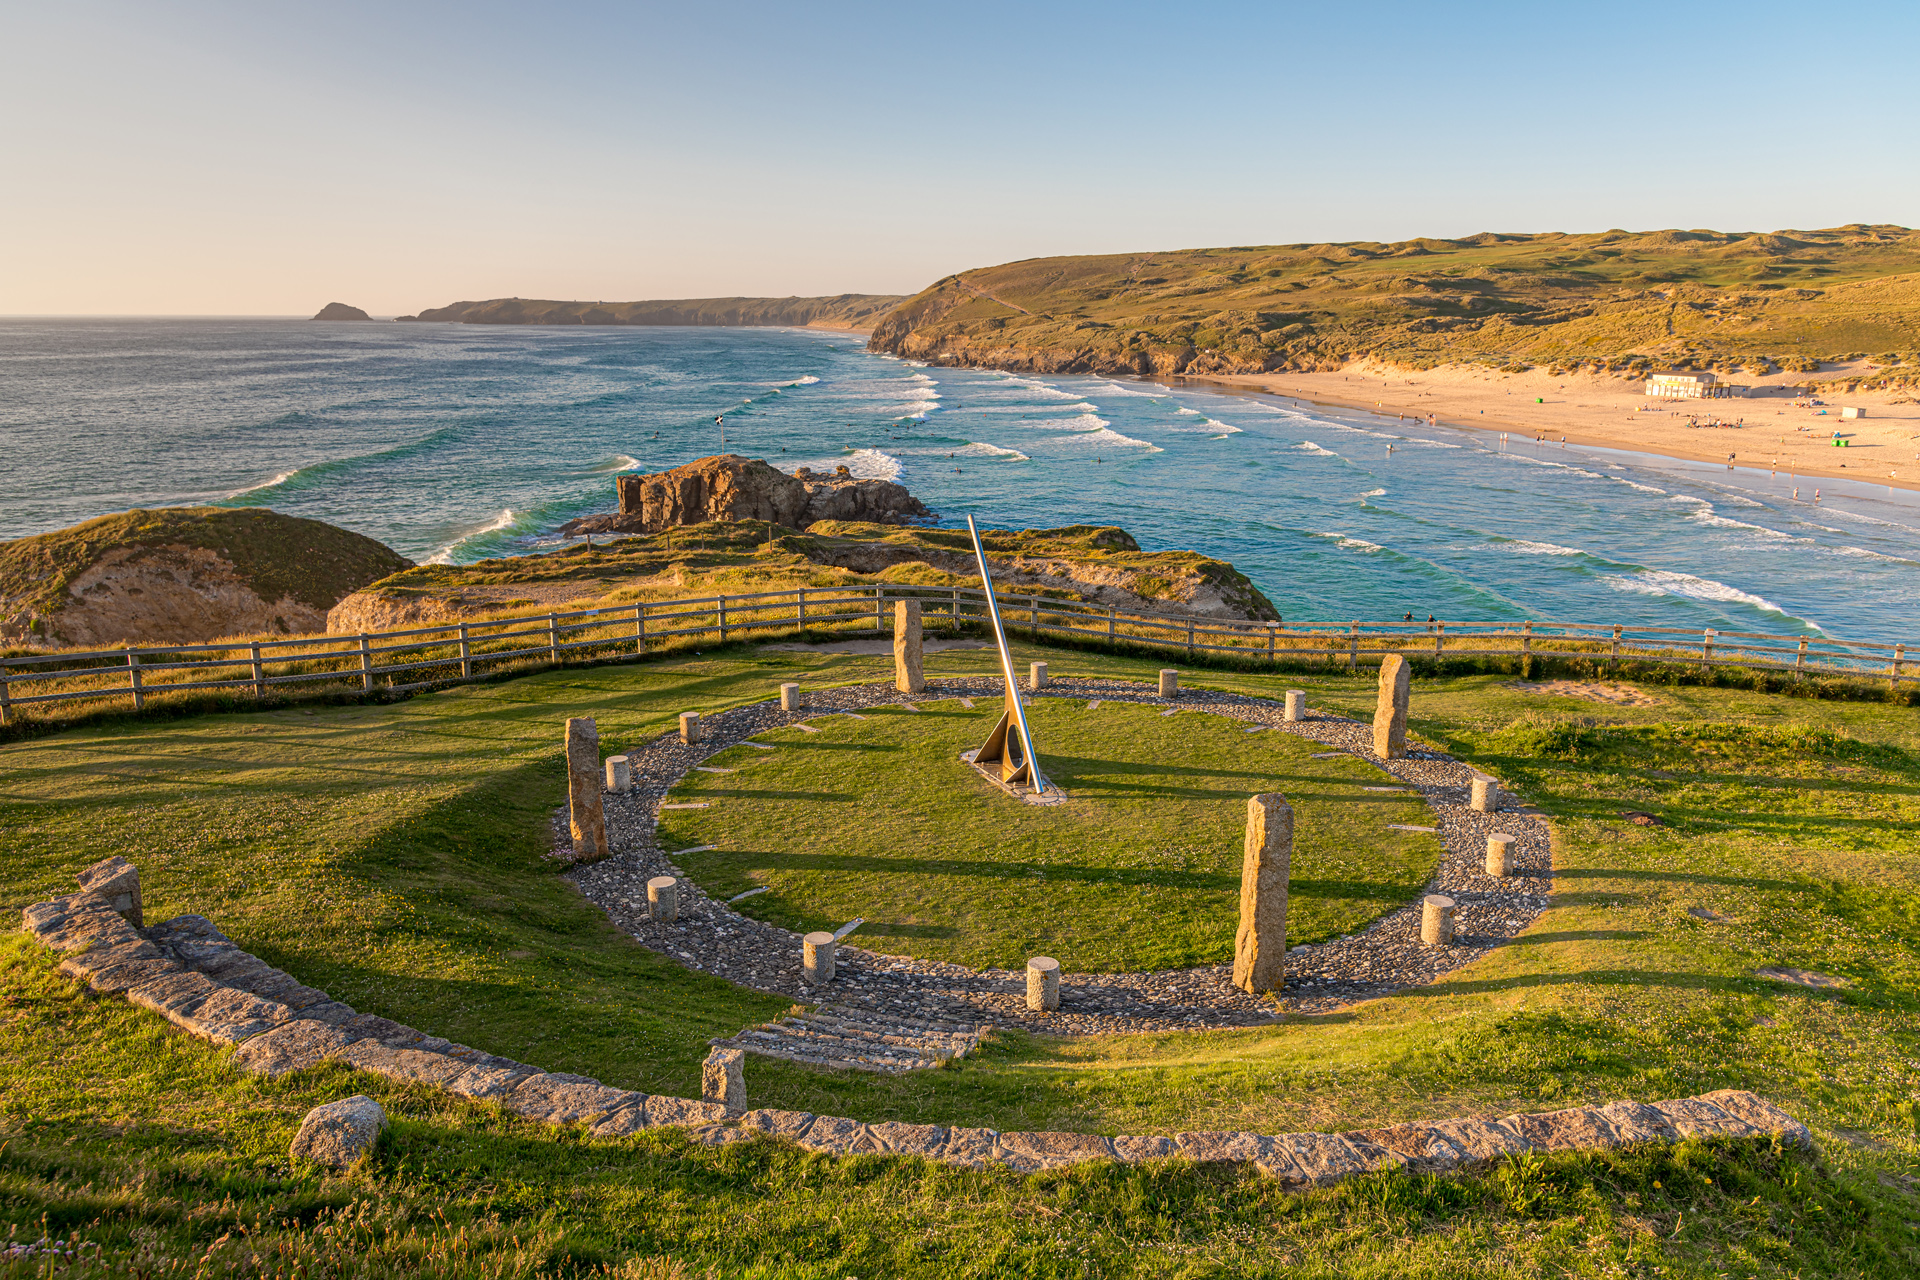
842 311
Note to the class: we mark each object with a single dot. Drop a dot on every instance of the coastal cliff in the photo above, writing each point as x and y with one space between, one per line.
842 311
182 575
1616 301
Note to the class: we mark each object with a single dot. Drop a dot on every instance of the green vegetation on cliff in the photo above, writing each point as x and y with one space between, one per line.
846 310
1618 300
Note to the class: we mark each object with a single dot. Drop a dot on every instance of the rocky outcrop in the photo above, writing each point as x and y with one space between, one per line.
730 487
341 311
182 576
337 1134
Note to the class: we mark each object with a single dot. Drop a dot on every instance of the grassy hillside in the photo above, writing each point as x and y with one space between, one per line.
393 854
277 555
1619 300
848 310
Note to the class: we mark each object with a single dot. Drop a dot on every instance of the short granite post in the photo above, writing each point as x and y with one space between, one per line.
1390 712
908 645
1043 984
337 1134
1037 675
816 957
723 1078
1499 855
663 899
689 727
789 697
1486 795
118 881
619 774
1436 920
1260 947
1296 704
1169 682
586 819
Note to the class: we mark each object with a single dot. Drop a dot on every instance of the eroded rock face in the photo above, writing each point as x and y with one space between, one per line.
172 594
730 487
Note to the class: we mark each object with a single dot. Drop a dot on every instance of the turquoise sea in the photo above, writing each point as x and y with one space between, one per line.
456 443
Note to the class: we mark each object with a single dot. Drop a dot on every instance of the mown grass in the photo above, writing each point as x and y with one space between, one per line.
1139 868
394 855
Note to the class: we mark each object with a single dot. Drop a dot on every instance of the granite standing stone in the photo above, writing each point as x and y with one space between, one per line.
1037 676
1296 704
1499 854
816 957
586 817
789 697
663 899
1169 682
619 774
1043 984
689 727
1260 946
723 1079
1486 795
118 881
1436 920
339 1133
1390 714
908 644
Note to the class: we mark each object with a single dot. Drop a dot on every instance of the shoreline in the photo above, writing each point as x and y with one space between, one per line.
1890 429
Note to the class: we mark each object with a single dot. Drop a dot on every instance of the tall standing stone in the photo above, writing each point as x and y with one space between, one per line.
1260 947
907 647
1390 714
586 817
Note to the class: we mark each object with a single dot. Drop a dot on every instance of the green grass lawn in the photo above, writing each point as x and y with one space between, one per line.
394 855
1139 869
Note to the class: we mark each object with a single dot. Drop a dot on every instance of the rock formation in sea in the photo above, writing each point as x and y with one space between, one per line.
182 575
341 311
731 487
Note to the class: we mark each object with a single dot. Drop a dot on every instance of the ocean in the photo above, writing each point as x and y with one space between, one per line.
459 442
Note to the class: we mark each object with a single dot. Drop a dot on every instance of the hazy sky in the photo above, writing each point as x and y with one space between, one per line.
265 158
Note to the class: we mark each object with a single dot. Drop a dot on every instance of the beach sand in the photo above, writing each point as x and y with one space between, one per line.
1882 448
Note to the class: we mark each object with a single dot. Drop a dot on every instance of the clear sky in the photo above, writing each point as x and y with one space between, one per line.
266 157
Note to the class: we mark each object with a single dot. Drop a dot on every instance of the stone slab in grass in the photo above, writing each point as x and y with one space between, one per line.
1138 870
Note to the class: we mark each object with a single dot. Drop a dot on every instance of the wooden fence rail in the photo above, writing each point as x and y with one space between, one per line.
455 651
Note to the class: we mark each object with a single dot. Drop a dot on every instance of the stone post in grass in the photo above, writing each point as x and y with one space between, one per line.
1436 920
1169 682
1296 704
908 644
1037 676
1499 854
789 697
1390 713
816 957
689 727
619 774
1260 946
586 818
723 1078
1043 984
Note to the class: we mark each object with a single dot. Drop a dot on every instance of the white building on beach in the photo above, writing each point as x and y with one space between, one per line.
1682 386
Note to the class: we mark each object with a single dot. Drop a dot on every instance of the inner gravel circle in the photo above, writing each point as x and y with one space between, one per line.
1388 956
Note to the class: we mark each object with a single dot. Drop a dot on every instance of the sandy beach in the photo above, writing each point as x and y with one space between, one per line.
1774 433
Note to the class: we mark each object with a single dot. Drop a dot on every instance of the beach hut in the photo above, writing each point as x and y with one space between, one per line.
1851 411
1678 385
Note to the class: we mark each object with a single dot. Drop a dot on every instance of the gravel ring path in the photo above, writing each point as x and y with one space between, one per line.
1388 956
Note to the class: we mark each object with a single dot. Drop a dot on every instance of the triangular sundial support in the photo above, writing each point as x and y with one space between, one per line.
1011 743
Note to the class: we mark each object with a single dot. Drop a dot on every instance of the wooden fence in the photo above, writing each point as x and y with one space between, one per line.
423 657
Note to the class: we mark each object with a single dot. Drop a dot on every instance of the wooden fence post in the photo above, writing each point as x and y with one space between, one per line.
133 679
1033 615
366 664
1189 638
1613 660
1353 647
1273 629
639 628
6 697
953 610
259 674
466 653
1439 639
553 638
723 619
1899 657
1112 614
879 609
1706 646
1800 661
803 608
1526 650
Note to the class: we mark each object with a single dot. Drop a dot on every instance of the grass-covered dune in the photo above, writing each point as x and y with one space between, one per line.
1614 300
394 854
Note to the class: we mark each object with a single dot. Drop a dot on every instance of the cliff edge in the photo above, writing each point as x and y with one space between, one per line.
182 575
